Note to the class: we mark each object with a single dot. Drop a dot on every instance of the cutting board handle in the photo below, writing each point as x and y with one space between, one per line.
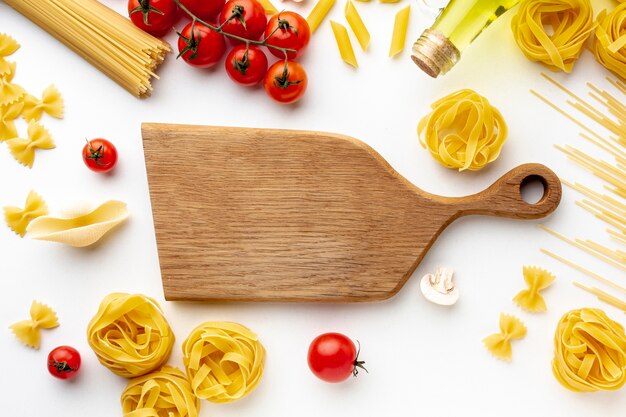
504 197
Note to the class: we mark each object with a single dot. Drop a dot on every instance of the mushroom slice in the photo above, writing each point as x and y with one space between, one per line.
439 288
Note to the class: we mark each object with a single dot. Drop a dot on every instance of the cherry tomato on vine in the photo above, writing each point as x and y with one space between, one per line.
200 46
243 18
246 66
333 357
285 81
153 16
206 10
63 362
100 155
288 30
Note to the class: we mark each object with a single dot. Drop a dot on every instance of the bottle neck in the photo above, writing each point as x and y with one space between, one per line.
434 53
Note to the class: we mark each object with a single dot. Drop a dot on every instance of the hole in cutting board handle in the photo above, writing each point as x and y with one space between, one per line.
533 189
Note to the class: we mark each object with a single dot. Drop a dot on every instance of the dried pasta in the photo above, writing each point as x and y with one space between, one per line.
9 92
344 44
499 344
8 46
571 23
166 393
400 25
8 114
589 351
270 9
41 317
609 41
51 103
104 38
83 229
356 24
18 218
224 361
130 335
23 150
463 131
319 12
536 279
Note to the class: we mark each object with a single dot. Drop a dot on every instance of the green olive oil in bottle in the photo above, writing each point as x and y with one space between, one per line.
440 47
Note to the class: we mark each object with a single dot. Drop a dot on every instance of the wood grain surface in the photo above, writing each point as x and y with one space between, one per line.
276 215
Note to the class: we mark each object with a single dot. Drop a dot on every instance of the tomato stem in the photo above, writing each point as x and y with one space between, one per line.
357 363
95 154
145 8
237 13
61 366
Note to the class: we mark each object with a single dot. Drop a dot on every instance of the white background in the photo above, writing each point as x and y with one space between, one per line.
423 359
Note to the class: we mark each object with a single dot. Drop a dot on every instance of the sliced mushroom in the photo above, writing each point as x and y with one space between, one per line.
439 288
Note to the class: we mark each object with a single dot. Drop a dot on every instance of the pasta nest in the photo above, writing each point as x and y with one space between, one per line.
609 41
130 335
463 131
224 361
166 393
590 351
570 24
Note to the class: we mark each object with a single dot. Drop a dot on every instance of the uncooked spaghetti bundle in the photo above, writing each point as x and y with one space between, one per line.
104 38
589 351
224 361
571 23
609 41
463 131
129 334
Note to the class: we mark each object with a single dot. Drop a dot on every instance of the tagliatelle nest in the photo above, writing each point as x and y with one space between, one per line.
609 40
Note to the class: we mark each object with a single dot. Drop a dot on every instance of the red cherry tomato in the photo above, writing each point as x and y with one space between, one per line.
206 10
333 357
64 362
244 18
100 155
153 16
200 47
288 30
285 82
246 66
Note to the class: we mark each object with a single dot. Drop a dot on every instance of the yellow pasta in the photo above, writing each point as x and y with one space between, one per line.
18 218
499 344
51 103
609 41
104 38
8 114
357 25
8 46
536 279
589 351
130 335
269 7
571 23
9 92
41 317
23 150
319 12
164 393
389 1
83 229
224 361
344 44
400 25
463 131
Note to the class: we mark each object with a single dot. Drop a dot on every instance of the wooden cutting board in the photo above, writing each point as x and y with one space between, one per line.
279 215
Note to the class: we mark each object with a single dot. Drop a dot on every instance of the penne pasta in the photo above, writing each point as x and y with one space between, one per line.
399 31
344 44
357 25
319 12
270 9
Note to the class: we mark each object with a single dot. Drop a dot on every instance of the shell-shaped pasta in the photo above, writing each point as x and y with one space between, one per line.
609 40
130 335
18 218
224 361
9 92
499 344
41 317
536 279
166 392
23 150
589 351
51 103
8 114
82 230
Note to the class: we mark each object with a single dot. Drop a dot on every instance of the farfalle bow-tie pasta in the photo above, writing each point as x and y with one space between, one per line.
23 150
41 317
8 114
537 279
18 218
165 393
8 46
589 351
51 103
224 361
499 344
9 92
